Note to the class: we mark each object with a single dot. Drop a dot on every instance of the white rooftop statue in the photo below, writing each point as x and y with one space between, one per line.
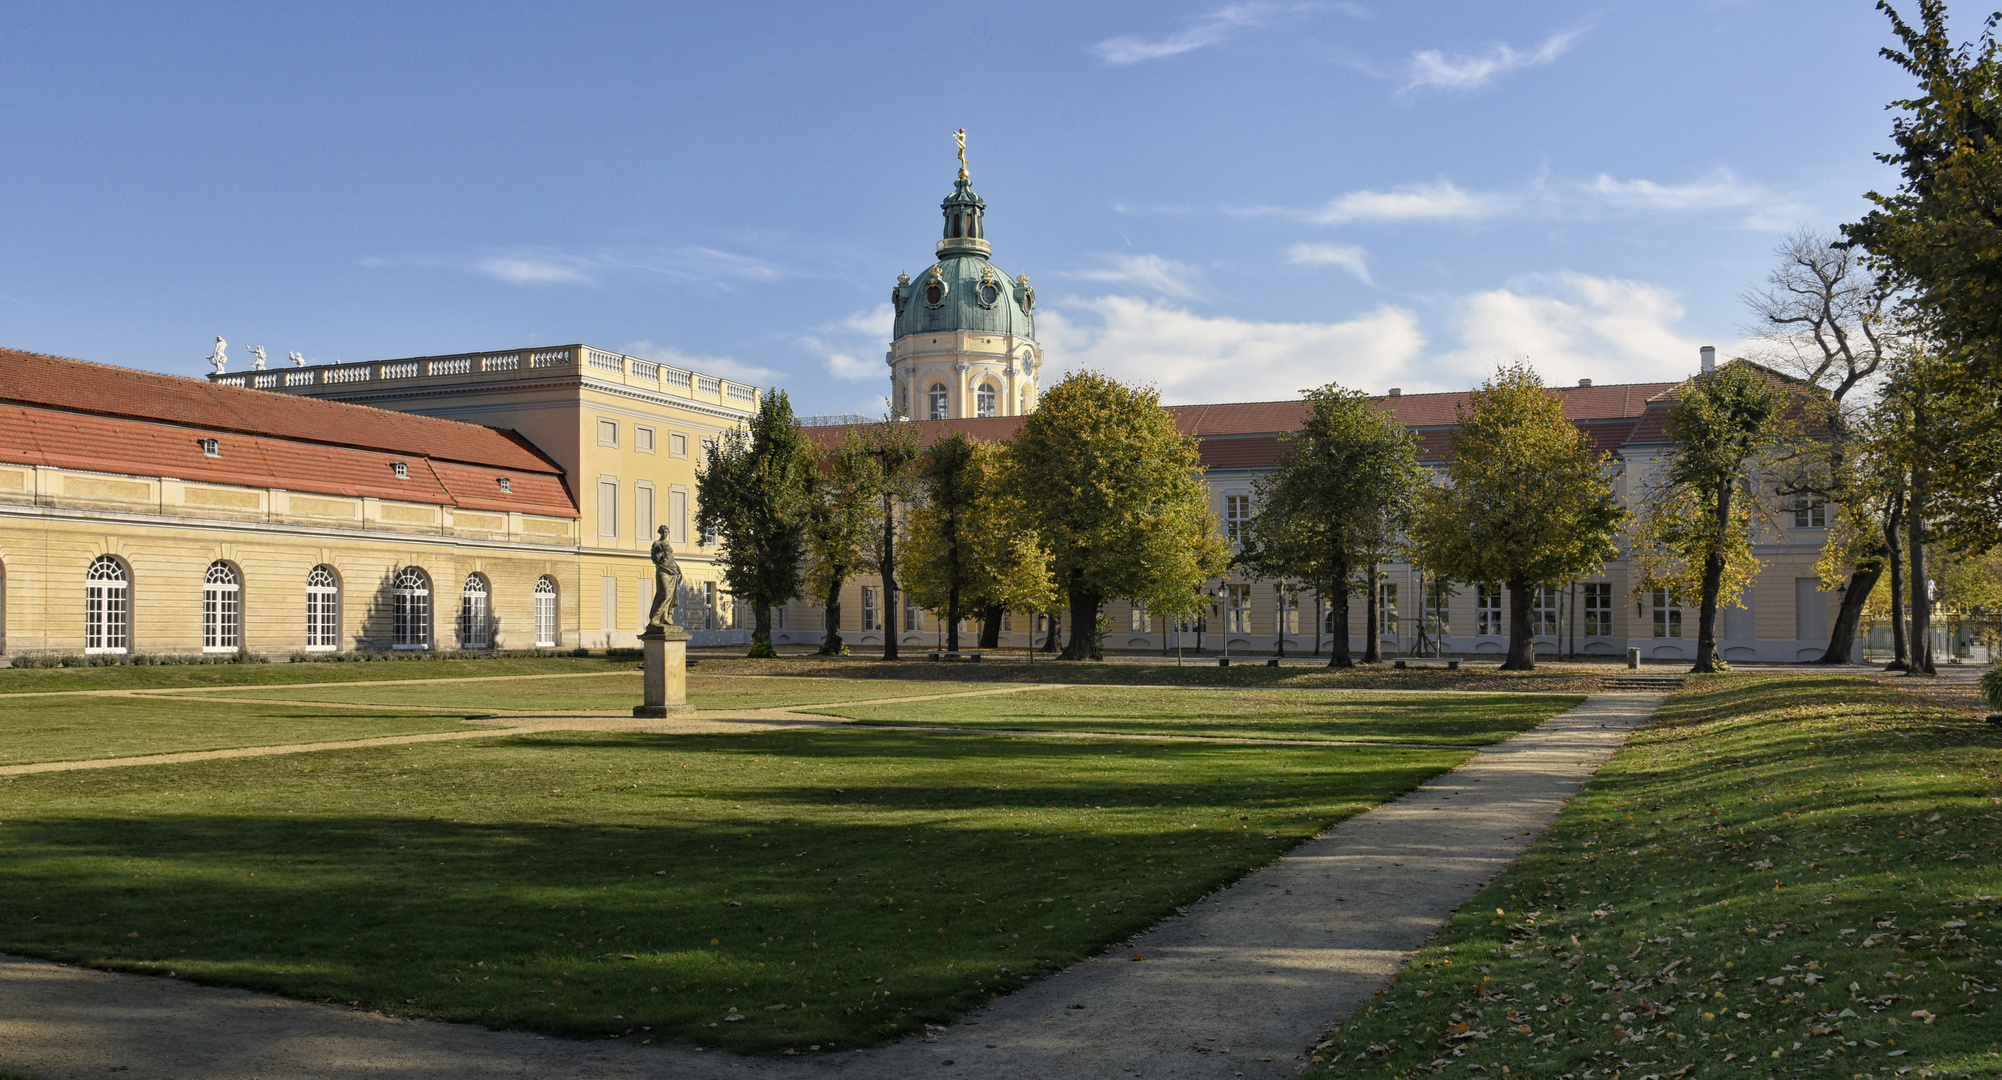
257 352
297 360
221 357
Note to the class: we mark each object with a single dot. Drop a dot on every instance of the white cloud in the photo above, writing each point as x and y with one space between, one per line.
1574 326
1432 67
1438 200
1208 30
1720 190
1347 256
1195 358
532 270
725 366
1149 271
852 348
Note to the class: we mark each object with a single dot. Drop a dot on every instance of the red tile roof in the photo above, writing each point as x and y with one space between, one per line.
75 415
79 386
68 440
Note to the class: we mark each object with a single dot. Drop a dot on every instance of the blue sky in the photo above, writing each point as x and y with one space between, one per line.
1233 202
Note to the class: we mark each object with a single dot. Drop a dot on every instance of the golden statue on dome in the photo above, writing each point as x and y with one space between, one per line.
960 138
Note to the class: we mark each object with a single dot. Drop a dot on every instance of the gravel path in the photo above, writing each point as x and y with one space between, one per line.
1239 986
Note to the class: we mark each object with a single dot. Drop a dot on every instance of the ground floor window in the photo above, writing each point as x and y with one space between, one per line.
1386 608
1285 610
1237 602
914 616
411 615
545 613
107 617
1667 614
1488 610
1136 617
222 609
475 614
1438 622
1598 609
1543 613
868 608
323 611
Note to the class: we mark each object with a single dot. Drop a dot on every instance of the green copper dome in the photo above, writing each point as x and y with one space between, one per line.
963 291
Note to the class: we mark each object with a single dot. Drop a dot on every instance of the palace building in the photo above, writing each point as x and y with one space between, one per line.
507 499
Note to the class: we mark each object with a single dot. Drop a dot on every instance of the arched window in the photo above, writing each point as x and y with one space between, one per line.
475 627
412 593
323 611
107 609
983 400
222 609
938 401
545 613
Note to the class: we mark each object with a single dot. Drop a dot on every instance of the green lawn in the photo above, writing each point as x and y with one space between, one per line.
615 692
1463 719
756 892
45 680
1782 875
87 726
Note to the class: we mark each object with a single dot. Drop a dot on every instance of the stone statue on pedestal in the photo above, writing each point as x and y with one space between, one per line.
663 645
220 358
666 582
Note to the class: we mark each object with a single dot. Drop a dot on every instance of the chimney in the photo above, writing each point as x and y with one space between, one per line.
1584 382
1396 391
1709 358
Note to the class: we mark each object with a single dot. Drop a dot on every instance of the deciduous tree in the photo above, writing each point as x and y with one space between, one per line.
1116 494
1527 501
1336 502
840 529
894 446
968 548
751 491
1694 532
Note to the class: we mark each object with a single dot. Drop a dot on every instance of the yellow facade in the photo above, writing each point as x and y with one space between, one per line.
627 432
54 523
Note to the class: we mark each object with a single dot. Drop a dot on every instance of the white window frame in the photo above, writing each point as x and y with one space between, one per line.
1810 513
1488 611
642 439
869 607
1437 606
323 610
107 607
940 400
677 444
410 628
608 508
646 511
545 613
1387 620
1137 619
476 628
608 431
1236 515
1667 610
222 608
1544 611
984 398
1598 609
1237 606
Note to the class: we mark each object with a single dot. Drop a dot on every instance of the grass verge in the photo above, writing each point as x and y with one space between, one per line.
87 728
1548 678
60 680
1779 876
799 888
1462 719
615 692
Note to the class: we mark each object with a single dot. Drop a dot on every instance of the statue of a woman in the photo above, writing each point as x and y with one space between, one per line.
666 583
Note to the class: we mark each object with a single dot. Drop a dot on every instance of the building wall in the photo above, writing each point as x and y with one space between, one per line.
54 523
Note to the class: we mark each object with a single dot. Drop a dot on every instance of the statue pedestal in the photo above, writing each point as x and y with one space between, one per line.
666 652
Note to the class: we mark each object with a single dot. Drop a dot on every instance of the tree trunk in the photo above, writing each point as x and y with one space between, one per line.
1713 582
1338 622
1915 542
1521 637
1842 640
761 621
1372 647
1056 629
888 563
1894 518
830 618
952 619
1084 626
990 627
1279 620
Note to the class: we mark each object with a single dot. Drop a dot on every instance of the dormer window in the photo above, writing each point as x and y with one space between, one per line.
506 484
401 470
211 448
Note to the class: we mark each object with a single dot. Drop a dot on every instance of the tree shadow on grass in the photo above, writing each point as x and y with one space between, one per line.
603 888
